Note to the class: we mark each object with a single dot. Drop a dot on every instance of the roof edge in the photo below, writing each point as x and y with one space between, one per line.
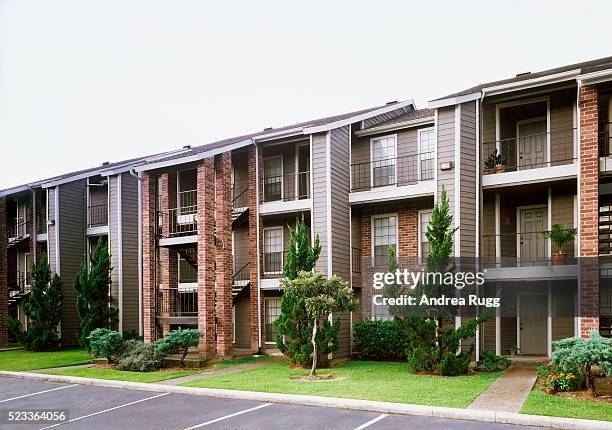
450 101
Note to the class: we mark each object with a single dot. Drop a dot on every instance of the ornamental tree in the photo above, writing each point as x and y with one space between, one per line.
301 256
179 339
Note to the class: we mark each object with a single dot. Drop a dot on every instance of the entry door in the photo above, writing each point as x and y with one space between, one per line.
533 309
532 143
532 246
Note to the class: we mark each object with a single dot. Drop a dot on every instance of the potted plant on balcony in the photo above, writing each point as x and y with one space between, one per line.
495 163
561 237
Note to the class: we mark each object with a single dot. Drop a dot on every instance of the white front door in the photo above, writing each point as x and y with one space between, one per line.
532 143
533 311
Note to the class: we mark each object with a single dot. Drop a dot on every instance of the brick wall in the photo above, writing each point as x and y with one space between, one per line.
253 243
149 189
169 257
407 224
589 208
206 258
224 267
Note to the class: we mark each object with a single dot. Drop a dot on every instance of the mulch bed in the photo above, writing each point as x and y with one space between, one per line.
318 378
576 395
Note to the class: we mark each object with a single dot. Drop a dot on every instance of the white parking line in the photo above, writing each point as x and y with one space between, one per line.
106 410
228 416
369 423
40 392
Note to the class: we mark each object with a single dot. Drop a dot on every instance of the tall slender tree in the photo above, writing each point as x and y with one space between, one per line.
301 256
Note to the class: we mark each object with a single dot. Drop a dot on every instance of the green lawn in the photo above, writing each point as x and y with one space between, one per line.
22 360
238 361
121 375
366 380
540 403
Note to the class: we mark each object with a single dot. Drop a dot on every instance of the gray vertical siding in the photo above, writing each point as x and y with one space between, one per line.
72 202
319 195
468 190
129 225
446 153
51 230
113 237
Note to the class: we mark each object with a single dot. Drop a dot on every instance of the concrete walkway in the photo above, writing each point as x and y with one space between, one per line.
509 391
212 373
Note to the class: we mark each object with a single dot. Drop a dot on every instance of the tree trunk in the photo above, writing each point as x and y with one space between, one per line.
589 378
183 357
315 353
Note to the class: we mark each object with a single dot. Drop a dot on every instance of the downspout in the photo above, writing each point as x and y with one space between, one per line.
34 228
140 303
258 246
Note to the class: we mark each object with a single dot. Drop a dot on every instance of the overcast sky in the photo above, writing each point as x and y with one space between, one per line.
82 82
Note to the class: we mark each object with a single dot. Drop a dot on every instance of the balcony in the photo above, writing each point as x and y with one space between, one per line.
393 178
529 159
605 150
182 221
97 216
240 203
41 223
285 193
241 279
19 288
177 305
18 230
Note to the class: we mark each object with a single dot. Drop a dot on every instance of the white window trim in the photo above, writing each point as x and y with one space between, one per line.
420 231
373 240
282 248
420 131
282 175
297 167
266 299
372 160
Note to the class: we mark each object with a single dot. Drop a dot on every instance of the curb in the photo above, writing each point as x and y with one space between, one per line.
333 402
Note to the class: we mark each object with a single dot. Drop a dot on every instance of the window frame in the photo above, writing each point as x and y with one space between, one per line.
372 160
420 230
282 243
266 300
373 235
421 131
282 176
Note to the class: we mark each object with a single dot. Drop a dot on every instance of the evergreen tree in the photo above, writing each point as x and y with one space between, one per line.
43 308
302 256
93 293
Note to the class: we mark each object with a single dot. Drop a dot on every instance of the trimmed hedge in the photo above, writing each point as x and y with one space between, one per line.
380 340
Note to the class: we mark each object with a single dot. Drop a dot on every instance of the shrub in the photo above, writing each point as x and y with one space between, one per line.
453 364
105 343
380 340
577 353
489 362
138 356
180 340
564 381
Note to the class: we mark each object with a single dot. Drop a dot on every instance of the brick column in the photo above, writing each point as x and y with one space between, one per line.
169 257
224 258
206 258
588 289
149 194
253 246
3 275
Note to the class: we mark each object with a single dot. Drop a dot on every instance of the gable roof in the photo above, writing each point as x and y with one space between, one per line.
568 72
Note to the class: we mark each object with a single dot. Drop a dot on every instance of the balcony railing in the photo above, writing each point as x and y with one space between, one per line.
178 222
530 152
188 199
177 302
396 171
356 259
97 216
605 150
242 276
286 187
274 262
240 198
18 229
21 283
522 249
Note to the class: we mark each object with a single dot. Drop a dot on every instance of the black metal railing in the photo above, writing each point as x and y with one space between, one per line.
242 276
240 198
356 259
523 249
177 302
530 152
21 283
395 171
605 150
97 215
178 222
273 262
188 199
18 229
286 187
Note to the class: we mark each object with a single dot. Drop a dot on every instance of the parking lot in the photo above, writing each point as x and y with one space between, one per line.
91 407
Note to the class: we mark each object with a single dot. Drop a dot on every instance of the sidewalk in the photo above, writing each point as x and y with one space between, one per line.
509 391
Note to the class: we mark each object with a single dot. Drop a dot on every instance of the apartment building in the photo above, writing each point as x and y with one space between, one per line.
212 221
63 218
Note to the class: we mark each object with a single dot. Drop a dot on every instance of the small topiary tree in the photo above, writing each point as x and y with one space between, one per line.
43 308
105 343
321 296
180 340
93 298
576 352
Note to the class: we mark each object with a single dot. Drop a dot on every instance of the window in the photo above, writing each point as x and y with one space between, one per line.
273 250
273 179
427 144
424 218
273 310
385 235
383 161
